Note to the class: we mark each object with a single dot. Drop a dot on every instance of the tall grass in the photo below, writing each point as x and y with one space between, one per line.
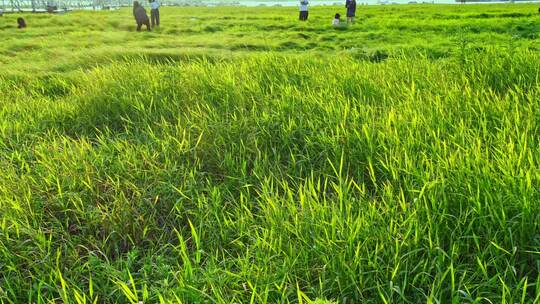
394 161
273 179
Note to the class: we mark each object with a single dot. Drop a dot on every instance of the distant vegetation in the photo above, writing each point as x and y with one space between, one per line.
238 156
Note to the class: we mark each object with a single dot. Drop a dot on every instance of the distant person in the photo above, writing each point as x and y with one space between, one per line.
154 12
1 12
337 20
304 10
21 23
351 10
140 16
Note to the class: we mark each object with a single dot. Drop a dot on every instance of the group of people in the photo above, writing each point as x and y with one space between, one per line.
141 18
349 4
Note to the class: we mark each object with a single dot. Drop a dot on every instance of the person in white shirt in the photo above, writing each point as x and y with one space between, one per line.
154 12
303 10
337 20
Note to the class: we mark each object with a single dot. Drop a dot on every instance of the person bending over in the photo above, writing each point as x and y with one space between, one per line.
140 16
21 23
337 20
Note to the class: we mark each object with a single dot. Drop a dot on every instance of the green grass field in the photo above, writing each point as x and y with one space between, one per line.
236 155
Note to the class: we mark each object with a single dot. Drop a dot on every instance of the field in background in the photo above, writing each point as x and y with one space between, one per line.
60 43
238 156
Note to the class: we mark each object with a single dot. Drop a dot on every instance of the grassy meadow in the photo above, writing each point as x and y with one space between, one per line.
237 155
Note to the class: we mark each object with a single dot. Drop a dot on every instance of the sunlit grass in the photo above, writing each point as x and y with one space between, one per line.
193 175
